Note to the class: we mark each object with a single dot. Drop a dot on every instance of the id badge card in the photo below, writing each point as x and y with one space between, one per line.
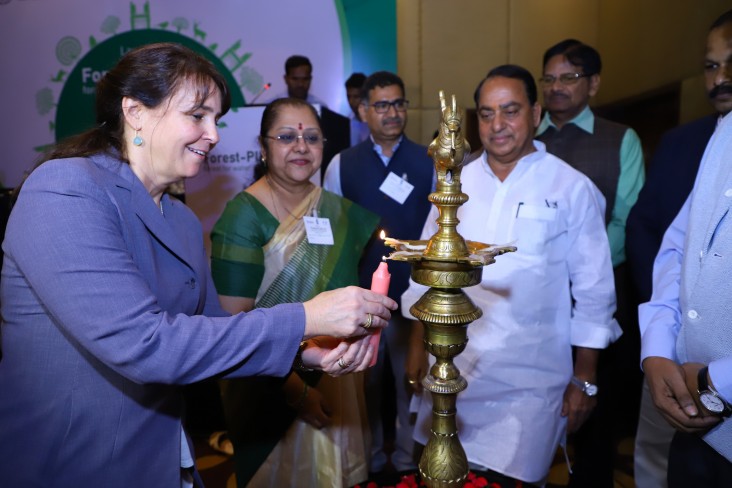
318 230
396 188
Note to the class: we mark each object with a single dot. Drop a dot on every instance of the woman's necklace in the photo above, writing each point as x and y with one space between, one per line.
274 201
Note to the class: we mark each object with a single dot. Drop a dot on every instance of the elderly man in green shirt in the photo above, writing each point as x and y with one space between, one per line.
610 154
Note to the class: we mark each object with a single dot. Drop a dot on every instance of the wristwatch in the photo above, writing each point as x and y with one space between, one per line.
298 365
709 398
587 388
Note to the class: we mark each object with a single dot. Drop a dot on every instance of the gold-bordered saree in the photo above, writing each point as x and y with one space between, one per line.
273 447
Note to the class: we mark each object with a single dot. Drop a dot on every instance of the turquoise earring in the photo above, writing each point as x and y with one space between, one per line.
137 141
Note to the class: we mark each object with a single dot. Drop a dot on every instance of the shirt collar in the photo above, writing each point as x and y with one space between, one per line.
719 119
585 120
523 164
380 152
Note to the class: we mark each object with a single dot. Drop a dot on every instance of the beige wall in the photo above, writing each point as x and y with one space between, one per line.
645 44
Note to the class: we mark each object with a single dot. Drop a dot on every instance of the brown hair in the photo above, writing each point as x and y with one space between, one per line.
150 74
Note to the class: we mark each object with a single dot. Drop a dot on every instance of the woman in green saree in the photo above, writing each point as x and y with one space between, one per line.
285 239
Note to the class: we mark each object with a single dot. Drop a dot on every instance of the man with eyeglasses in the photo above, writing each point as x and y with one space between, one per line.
671 176
391 176
610 154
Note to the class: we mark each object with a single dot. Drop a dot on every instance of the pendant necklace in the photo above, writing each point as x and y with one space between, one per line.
274 201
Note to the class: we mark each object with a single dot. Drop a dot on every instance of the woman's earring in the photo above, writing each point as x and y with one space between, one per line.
137 141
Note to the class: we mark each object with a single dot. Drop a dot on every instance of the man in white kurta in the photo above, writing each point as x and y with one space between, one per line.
555 293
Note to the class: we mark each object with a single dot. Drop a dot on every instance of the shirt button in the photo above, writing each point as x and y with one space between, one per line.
692 314
728 193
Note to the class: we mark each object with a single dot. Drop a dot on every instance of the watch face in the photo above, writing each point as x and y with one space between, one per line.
711 402
591 390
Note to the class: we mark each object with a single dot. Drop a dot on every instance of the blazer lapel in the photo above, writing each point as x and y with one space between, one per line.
132 193
150 214
717 171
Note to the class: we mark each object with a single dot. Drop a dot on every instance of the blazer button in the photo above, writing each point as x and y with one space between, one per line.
192 283
692 314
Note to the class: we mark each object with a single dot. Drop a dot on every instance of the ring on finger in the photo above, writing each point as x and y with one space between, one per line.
369 321
411 381
342 363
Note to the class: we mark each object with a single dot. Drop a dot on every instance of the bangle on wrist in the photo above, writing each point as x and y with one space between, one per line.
298 364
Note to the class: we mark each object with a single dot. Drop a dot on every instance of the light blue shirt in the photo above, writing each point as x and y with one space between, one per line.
660 318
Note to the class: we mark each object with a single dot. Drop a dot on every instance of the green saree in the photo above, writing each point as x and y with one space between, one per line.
254 255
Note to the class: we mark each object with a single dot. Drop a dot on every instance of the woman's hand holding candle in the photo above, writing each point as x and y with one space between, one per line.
379 284
343 312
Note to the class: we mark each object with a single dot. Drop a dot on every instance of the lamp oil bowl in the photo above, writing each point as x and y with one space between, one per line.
446 263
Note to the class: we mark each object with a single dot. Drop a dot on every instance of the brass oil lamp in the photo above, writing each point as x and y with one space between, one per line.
446 263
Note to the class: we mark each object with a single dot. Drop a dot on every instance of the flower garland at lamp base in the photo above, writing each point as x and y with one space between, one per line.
413 481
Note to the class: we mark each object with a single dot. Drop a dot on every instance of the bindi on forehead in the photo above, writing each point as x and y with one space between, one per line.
299 125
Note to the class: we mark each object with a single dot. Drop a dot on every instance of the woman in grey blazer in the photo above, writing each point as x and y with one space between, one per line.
107 302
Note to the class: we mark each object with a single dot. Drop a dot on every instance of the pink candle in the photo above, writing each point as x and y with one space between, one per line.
379 284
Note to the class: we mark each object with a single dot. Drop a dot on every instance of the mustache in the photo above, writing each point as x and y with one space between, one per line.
723 89
389 120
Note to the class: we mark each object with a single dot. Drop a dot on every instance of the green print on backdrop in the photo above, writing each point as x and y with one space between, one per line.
75 110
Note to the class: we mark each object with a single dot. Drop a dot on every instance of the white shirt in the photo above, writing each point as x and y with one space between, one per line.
518 360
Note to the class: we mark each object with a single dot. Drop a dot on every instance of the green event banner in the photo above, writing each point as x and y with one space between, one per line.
55 51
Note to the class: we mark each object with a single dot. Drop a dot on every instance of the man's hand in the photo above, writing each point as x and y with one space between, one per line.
576 406
673 389
691 374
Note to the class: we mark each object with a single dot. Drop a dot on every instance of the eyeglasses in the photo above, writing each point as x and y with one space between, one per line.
382 107
564 78
292 138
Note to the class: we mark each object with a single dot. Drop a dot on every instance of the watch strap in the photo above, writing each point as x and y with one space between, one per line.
587 388
701 379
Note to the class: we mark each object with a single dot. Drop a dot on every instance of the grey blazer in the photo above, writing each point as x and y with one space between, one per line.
705 296
108 307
